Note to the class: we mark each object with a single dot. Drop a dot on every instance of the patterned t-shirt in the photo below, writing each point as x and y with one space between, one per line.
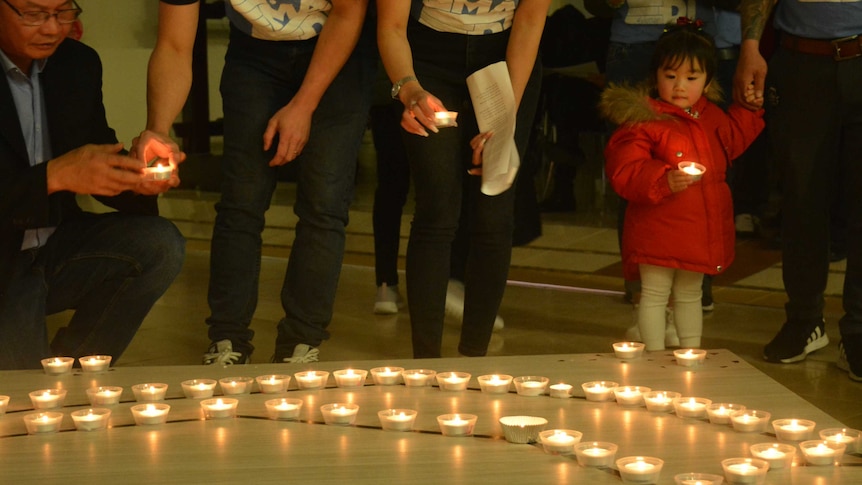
471 17
275 19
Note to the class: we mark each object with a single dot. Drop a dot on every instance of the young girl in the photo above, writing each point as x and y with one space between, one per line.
677 226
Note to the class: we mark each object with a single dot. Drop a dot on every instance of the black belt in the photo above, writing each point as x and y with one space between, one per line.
838 49
727 53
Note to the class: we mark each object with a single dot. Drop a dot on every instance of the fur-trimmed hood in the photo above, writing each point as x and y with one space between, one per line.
621 104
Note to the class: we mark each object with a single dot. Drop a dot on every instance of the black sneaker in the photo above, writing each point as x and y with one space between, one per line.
796 340
222 353
844 364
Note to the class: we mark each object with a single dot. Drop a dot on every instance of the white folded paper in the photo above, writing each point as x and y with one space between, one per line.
494 105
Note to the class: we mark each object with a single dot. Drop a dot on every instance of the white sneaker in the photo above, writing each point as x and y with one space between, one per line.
302 353
222 353
388 300
455 304
746 224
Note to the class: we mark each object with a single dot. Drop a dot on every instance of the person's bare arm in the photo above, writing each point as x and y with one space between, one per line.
751 67
524 41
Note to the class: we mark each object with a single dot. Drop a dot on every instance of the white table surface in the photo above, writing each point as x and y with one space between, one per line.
253 449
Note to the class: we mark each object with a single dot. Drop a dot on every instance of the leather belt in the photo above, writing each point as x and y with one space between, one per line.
727 53
838 49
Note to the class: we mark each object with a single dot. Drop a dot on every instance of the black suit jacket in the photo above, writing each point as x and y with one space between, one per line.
72 88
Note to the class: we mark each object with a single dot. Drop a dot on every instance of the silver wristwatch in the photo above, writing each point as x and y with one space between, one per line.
396 88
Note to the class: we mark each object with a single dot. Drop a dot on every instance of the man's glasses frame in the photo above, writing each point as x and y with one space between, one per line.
39 17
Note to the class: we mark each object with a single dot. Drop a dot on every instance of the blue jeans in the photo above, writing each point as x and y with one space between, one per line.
259 78
110 268
439 166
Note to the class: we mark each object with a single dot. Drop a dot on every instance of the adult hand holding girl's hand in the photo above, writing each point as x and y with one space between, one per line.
678 180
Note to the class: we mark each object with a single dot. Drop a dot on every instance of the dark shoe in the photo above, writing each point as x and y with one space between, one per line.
795 341
223 353
844 364
706 300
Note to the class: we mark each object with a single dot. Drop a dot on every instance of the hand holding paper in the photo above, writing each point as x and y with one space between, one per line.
494 104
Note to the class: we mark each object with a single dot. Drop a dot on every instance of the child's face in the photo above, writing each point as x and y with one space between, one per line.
682 84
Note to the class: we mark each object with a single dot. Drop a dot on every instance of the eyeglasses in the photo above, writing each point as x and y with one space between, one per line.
39 17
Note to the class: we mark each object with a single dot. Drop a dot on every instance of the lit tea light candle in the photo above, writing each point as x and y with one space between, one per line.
630 395
599 390
150 413
48 398
778 455
849 437
793 429
160 170
443 119
660 401
198 388
91 419
531 386
559 441
628 350
312 379
397 419
104 395
689 357
95 363
386 376
283 408
231 386
719 412
55 366
339 413
453 381
494 383
744 471
149 392
4 404
694 169
821 452
640 469
219 408
350 377
418 377
749 420
272 384
691 407
48 422
560 390
596 454
456 425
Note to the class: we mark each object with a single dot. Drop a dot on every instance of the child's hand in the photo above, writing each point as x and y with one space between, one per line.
678 180
750 97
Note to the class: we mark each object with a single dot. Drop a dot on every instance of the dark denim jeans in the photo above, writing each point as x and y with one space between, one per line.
259 78
812 138
110 268
439 164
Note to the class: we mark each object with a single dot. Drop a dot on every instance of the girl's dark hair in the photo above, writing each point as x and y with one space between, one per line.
684 41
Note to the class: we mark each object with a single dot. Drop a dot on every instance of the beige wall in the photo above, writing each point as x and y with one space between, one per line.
124 32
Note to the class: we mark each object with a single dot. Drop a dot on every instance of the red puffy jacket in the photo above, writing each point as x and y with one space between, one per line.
692 229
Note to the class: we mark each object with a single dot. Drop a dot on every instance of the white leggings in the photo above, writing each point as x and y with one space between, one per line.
656 285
